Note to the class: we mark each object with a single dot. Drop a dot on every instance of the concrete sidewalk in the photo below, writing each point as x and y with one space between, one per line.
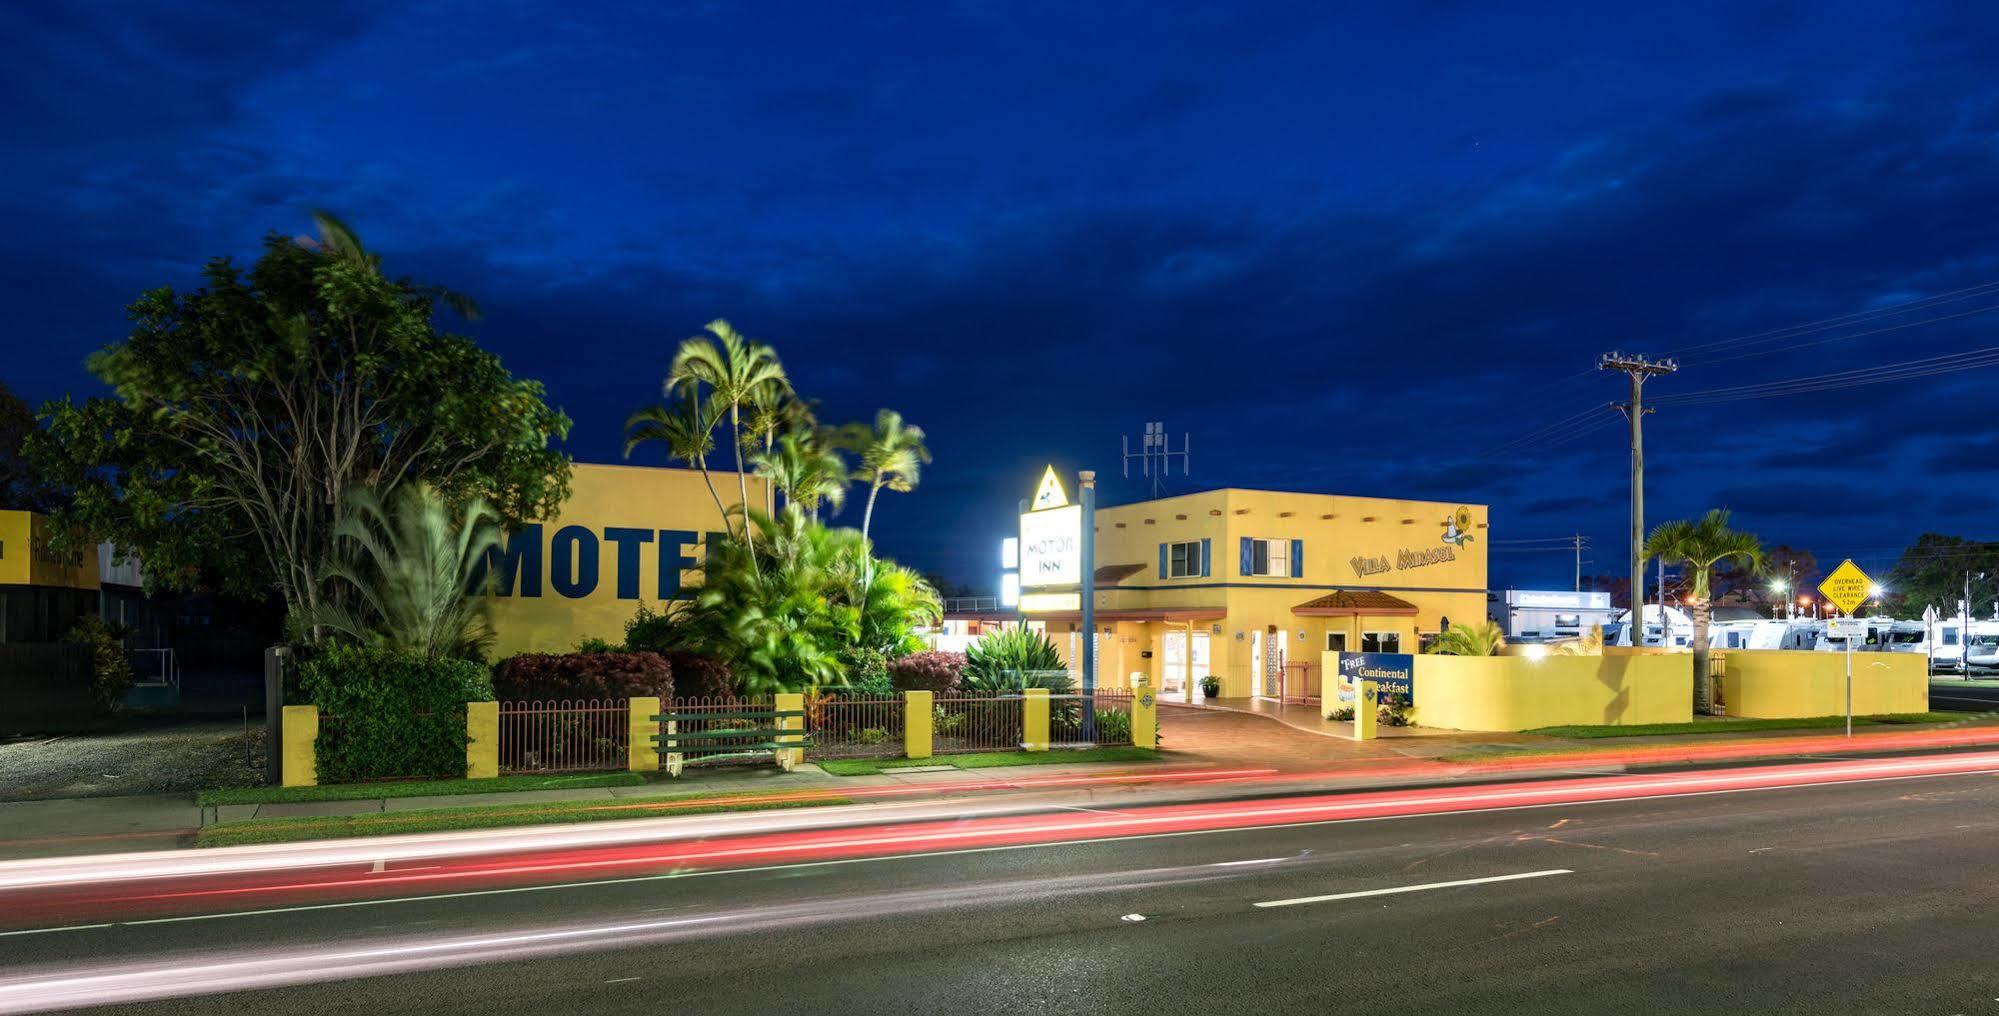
96 825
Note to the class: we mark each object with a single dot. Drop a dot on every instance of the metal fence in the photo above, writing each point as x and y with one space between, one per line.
564 736
976 723
1112 713
843 727
720 707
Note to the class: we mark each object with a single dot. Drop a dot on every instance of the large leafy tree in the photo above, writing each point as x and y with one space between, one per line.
246 411
1701 544
735 372
21 488
1933 571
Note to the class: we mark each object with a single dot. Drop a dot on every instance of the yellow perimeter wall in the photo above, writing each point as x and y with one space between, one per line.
25 559
1519 693
627 534
1780 684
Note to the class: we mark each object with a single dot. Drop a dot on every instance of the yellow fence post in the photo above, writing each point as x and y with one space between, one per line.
482 740
1366 710
790 702
298 766
1034 720
641 754
1144 714
919 719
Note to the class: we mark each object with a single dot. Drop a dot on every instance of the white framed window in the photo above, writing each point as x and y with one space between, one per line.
1183 560
1381 642
1336 642
1270 558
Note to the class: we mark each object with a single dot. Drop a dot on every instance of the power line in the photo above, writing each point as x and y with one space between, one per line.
1880 374
1841 338
1953 296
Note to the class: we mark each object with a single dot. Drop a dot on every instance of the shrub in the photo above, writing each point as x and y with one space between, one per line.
1343 714
927 671
1394 710
871 735
1113 726
674 628
699 676
386 712
550 676
1011 659
110 669
950 723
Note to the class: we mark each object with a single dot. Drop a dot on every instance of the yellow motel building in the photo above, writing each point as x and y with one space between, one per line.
1253 586
627 534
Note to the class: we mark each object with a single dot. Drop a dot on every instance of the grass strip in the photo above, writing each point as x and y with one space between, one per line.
417 788
989 760
288 830
1727 726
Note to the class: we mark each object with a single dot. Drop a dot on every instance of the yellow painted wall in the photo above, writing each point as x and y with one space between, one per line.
1780 684
610 510
1335 530
25 558
1519 693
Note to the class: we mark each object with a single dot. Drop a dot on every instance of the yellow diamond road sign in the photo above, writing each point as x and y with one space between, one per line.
1847 587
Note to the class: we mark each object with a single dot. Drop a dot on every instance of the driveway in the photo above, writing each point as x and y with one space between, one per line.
1229 738
184 757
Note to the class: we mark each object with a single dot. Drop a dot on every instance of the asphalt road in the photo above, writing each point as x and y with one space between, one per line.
1980 695
1851 898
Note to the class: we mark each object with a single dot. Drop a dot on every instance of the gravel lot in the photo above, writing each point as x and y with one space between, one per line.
160 760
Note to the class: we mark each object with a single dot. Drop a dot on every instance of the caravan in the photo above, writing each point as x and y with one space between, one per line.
1656 634
1766 633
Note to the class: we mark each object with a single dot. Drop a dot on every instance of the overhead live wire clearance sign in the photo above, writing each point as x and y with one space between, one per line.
1847 587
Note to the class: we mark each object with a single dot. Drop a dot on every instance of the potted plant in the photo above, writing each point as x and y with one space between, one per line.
1211 687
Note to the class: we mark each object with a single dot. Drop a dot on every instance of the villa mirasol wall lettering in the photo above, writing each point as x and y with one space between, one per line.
1365 565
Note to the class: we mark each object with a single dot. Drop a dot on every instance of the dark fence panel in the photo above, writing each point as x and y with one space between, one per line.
564 736
44 688
968 723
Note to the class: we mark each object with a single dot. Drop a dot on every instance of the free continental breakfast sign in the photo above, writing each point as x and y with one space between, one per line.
1393 672
1847 587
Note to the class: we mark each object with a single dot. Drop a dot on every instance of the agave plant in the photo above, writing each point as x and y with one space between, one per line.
403 571
1012 659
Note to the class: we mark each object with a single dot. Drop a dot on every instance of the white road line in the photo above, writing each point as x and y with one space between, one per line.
46 931
1259 860
1414 888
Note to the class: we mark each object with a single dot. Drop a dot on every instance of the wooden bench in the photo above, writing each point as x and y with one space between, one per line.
750 732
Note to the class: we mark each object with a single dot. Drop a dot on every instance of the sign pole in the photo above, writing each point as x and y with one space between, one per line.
1847 587
1089 604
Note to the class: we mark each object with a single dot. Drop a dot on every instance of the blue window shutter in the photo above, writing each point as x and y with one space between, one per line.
1248 557
1297 559
1205 557
1162 560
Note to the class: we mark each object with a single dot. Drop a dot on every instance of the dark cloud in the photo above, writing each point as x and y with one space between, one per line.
1032 241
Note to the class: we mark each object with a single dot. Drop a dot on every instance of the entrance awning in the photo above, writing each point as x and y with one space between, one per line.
1356 603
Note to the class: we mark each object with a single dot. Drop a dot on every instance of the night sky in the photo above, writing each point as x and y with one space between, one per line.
1356 251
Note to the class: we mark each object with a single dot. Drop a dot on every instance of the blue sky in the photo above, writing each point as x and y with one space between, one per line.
1348 249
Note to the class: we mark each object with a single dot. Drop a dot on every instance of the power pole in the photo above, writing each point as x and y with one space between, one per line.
1579 562
1638 368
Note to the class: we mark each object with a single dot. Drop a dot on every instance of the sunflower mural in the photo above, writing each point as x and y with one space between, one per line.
1457 527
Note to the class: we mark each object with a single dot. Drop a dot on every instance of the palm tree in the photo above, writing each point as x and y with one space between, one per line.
687 428
1466 640
1702 544
892 456
773 410
735 370
808 473
410 564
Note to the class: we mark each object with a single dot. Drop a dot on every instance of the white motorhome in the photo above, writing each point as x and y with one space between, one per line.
1676 632
1766 633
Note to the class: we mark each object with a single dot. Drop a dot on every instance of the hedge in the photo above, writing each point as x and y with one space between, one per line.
934 670
550 676
385 713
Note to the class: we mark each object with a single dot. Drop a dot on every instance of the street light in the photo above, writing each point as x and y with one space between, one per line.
1781 588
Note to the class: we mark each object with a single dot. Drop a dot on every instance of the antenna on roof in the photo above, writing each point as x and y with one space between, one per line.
1156 445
